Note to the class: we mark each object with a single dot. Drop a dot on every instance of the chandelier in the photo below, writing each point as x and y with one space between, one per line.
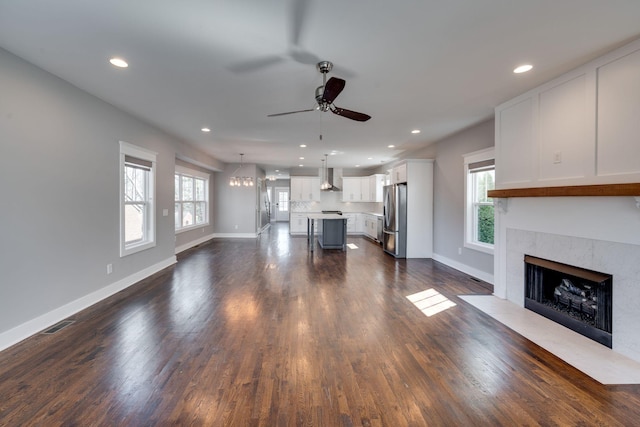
237 181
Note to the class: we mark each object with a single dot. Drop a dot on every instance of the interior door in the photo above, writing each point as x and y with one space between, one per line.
282 203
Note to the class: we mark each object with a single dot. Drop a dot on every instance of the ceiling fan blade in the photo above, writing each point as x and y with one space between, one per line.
291 112
332 89
353 115
298 16
255 64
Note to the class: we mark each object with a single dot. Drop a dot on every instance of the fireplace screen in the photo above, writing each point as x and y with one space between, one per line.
574 297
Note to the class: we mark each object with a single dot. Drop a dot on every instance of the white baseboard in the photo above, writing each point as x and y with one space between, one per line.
196 242
235 235
33 326
473 272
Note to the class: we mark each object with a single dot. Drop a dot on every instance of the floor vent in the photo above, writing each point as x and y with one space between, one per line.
58 327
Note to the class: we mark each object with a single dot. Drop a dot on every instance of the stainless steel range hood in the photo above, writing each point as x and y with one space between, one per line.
334 176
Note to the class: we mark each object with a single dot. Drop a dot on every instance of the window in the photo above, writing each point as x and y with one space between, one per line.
137 195
191 199
479 211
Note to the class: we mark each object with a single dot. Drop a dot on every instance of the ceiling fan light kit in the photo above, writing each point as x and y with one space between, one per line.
326 94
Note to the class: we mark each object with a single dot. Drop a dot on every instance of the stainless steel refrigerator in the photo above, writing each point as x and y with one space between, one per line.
394 226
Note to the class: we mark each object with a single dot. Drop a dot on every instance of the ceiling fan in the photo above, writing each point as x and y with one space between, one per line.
326 94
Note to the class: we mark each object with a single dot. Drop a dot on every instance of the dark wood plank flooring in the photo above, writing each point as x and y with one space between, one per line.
263 333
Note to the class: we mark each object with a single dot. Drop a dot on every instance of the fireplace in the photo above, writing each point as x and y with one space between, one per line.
577 298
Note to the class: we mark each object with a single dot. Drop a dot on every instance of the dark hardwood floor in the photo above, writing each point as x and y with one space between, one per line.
263 333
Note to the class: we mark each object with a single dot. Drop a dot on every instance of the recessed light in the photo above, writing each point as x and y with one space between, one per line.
415 131
301 158
205 130
333 153
369 158
303 145
277 170
523 68
119 62
357 166
301 166
391 146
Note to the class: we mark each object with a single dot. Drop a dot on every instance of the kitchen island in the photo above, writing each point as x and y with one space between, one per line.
332 231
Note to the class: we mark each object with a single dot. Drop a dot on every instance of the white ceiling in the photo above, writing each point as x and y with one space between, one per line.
438 66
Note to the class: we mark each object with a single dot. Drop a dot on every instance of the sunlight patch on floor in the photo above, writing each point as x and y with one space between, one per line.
352 246
430 302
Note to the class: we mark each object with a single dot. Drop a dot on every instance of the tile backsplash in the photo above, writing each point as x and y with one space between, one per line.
332 201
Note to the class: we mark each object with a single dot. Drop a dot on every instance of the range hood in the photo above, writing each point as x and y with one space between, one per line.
334 176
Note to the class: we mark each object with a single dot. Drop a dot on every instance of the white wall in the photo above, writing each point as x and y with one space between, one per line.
235 207
59 225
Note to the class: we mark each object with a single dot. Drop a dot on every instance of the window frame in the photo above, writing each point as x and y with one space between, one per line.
470 223
182 171
149 231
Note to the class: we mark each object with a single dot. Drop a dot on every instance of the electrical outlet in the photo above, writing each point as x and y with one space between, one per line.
459 251
109 268
203 229
235 226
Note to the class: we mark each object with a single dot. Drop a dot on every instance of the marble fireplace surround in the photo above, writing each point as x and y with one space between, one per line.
620 260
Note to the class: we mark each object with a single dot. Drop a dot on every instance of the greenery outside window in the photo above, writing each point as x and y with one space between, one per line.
137 199
479 210
191 199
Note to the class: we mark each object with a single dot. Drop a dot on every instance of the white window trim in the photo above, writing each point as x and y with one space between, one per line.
202 175
476 156
127 149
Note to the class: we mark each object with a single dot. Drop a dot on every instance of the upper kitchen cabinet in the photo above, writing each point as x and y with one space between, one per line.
578 129
305 189
362 188
352 189
399 174
376 182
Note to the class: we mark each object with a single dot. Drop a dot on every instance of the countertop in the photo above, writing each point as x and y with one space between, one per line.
325 216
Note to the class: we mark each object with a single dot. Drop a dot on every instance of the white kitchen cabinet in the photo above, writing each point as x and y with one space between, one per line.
399 174
352 189
305 189
419 182
370 226
376 182
298 223
354 223
362 188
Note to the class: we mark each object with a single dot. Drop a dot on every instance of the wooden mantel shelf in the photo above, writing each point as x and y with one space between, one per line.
570 191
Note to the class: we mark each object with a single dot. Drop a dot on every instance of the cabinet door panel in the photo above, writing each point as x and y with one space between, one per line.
563 130
618 149
514 145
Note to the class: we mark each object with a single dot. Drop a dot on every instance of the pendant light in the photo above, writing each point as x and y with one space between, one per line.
237 181
325 183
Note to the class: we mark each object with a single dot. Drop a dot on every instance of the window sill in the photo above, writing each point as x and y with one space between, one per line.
136 248
487 249
191 228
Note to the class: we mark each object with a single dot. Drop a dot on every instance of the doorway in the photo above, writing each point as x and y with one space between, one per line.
282 203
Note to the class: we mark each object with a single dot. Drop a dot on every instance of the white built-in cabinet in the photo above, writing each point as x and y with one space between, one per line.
305 189
351 189
298 223
354 223
399 174
362 188
581 128
370 226
417 174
